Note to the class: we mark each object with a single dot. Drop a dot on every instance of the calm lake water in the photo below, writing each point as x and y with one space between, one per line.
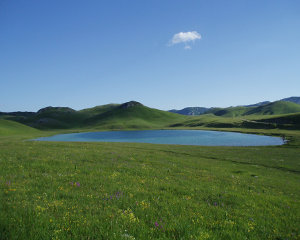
181 137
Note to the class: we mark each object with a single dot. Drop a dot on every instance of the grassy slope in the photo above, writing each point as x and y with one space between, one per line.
293 119
8 128
99 109
146 191
134 117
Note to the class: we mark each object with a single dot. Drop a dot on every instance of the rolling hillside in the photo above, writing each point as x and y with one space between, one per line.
283 121
112 116
8 128
257 104
263 108
275 108
134 115
50 118
288 121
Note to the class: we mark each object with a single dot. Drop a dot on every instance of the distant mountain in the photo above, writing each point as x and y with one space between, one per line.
292 99
275 108
244 109
50 110
17 113
257 104
190 111
230 111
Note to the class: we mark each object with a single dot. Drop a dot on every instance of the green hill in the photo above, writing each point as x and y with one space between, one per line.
98 109
288 121
14 128
133 115
275 108
111 116
50 118
209 120
230 111
283 121
238 110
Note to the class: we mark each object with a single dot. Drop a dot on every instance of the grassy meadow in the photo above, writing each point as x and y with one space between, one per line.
65 190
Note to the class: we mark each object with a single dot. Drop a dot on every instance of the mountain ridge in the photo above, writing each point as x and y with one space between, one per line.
190 110
134 115
193 110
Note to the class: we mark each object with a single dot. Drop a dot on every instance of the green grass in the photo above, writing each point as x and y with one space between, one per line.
52 190
8 128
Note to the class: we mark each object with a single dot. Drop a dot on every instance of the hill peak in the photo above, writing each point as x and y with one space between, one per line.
55 109
130 104
292 99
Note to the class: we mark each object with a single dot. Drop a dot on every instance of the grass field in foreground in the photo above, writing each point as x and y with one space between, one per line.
54 190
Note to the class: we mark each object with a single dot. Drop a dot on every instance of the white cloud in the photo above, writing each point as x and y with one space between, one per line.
185 37
187 47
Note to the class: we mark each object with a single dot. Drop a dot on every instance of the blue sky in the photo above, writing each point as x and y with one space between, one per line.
86 53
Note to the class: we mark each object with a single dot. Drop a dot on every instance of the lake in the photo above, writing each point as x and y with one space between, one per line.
181 137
